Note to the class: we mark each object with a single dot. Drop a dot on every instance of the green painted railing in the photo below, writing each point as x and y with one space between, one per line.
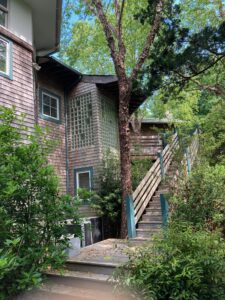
164 210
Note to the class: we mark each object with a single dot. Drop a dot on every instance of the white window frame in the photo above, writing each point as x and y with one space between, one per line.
7 73
42 105
77 179
6 11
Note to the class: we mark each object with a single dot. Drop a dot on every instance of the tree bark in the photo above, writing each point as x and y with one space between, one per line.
124 99
114 38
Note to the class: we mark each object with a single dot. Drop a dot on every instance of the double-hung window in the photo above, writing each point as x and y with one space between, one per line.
83 178
49 106
3 12
5 57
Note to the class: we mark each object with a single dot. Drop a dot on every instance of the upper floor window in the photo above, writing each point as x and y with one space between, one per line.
49 106
3 12
5 57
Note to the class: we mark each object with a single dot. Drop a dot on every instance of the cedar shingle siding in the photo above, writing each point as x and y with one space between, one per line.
87 156
56 130
19 91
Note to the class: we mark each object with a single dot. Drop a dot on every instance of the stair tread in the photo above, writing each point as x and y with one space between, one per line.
149 222
79 274
93 263
148 229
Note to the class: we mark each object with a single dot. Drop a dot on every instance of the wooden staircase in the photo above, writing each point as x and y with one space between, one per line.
144 206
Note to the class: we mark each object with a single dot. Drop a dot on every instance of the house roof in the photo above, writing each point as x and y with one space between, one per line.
46 25
60 72
68 77
110 83
156 121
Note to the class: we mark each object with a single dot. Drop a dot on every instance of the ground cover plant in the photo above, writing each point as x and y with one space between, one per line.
32 212
186 264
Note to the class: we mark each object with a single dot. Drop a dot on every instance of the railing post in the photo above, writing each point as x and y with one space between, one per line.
161 164
130 217
164 210
188 160
164 140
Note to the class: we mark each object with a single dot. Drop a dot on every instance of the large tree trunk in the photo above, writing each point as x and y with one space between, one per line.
124 100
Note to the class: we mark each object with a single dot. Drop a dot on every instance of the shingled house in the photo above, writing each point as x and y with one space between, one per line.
80 110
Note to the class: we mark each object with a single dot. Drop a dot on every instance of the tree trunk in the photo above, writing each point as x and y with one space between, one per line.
124 100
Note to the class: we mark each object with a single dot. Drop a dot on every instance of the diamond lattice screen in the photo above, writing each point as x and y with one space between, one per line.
81 121
110 131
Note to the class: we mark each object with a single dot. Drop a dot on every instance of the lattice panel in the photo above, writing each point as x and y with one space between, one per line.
110 131
81 121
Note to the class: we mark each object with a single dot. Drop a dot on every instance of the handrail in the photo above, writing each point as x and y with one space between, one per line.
149 184
138 201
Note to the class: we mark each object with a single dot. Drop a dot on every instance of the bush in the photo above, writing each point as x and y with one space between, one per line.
139 168
32 212
107 202
201 201
186 264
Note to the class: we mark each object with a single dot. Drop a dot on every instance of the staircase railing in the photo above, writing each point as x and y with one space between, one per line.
190 155
138 201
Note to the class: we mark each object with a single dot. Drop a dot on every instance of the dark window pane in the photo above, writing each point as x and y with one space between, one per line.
2 18
46 100
3 53
53 112
84 182
54 103
46 110
3 3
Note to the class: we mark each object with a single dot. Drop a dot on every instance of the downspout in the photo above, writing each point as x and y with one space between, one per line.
66 111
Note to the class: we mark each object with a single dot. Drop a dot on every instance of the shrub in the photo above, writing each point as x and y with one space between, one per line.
201 201
186 264
32 212
139 168
107 202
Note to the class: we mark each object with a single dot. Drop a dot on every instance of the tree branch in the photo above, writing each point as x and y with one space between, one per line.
217 89
186 77
150 39
108 30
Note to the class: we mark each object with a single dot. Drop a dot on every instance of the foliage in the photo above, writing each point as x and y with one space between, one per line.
32 212
213 137
87 45
108 204
186 264
197 14
139 168
201 201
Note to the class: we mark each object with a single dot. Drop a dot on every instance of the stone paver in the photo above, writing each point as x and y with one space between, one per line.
111 251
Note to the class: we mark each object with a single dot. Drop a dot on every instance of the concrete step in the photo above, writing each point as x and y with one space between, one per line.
147 233
104 268
80 286
149 225
147 218
74 276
